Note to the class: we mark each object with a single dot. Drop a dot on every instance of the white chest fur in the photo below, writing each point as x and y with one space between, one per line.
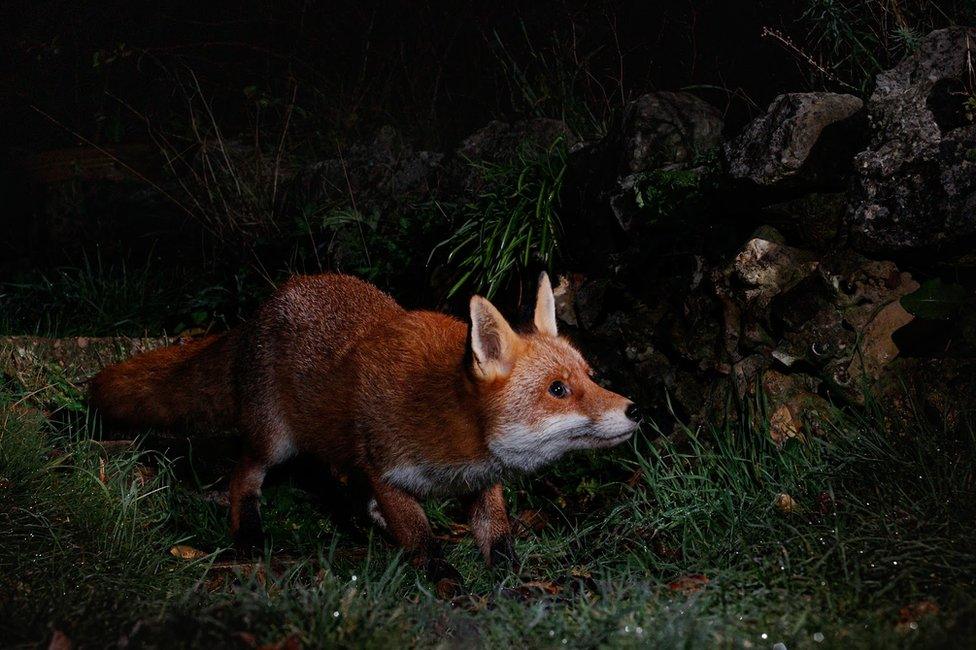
423 479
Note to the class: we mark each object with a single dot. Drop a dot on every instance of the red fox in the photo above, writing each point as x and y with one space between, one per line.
416 403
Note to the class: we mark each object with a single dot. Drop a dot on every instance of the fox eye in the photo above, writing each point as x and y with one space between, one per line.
558 389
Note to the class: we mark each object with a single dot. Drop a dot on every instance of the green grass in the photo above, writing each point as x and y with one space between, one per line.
884 519
126 298
509 222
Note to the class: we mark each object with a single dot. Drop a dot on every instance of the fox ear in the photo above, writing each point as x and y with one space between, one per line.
545 307
492 340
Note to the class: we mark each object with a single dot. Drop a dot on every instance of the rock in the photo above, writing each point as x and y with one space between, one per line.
777 145
810 221
838 321
590 300
498 141
666 128
766 269
795 409
916 182
564 294
375 176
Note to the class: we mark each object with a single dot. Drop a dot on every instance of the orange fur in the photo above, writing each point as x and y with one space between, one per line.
417 402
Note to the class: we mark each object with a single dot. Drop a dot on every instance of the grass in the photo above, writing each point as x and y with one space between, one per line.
678 543
125 298
510 221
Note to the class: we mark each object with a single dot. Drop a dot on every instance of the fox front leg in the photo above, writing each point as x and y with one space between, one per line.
491 528
406 521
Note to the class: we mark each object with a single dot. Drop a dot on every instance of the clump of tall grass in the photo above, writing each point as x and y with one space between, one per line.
848 42
509 222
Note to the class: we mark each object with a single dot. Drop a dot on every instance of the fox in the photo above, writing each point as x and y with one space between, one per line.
416 404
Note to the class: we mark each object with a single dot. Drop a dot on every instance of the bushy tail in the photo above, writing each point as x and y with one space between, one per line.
184 386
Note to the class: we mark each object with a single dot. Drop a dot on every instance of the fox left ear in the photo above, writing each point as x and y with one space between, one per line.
545 307
493 342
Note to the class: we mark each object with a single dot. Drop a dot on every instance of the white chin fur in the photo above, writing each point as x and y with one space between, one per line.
614 423
528 448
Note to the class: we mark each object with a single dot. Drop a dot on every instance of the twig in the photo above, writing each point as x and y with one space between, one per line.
281 145
352 199
788 44
112 157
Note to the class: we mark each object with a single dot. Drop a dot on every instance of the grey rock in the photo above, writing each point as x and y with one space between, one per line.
376 175
765 269
777 145
812 220
665 128
916 182
498 141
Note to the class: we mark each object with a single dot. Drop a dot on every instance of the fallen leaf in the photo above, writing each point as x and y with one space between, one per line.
530 521
246 638
101 471
877 349
469 602
910 615
580 572
531 590
545 586
187 552
143 474
290 642
783 425
665 550
689 584
786 503
60 641
447 589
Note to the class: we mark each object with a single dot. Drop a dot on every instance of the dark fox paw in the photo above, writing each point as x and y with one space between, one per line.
448 583
249 541
502 554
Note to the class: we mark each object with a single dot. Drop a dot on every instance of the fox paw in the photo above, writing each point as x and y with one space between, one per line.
502 554
249 541
448 583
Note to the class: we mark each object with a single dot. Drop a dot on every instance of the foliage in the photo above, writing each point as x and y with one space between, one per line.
937 300
692 551
380 247
854 41
510 222
95 299
555 80
666 194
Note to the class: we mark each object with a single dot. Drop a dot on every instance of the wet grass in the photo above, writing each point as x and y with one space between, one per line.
677 543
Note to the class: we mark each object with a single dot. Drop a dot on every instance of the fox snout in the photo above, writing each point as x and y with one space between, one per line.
528 445
616 425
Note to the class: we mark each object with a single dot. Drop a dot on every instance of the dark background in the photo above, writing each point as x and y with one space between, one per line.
126 77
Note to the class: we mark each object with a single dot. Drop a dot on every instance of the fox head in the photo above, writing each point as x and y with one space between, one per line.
541 400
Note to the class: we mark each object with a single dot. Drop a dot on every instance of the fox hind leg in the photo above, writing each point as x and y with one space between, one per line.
245 503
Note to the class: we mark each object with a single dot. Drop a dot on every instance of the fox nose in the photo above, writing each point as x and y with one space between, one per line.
633 412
